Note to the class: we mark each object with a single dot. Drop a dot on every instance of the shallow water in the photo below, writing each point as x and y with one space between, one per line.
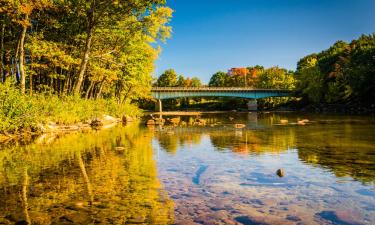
197 174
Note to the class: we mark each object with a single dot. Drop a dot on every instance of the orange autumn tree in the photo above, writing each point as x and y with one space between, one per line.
238 72
239 76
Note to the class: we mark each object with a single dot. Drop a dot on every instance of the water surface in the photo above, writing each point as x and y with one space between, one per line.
203 171
222 175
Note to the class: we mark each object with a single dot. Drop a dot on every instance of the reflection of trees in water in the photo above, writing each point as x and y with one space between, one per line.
254 141
168 142
239 141
344 149
171 141
114 169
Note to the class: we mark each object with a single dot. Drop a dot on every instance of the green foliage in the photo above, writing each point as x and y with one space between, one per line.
100 51
168 79
219 79
256 77
21 112
16 110
195 82
94 48
275 78
344 73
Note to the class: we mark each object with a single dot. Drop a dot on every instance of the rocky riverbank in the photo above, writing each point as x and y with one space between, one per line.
51 127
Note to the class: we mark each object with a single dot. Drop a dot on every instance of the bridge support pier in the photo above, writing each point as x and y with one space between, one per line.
252 105
158 106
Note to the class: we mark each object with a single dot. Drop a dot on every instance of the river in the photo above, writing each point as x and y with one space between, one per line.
203 171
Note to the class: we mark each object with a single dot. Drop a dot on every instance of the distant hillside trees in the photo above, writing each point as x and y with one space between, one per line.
170 79
344 73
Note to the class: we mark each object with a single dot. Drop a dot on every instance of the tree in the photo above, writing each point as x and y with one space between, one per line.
219 79
239 74
341 74
106 14
276 78
167 79
181 82
21 12
196 82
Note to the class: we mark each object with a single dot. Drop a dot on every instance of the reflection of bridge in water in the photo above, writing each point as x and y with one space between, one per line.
161 93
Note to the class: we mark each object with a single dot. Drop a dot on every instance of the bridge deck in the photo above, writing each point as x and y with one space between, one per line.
213 89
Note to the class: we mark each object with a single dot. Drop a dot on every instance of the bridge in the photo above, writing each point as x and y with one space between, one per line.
161 93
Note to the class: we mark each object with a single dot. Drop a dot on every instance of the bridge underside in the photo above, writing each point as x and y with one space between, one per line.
248 95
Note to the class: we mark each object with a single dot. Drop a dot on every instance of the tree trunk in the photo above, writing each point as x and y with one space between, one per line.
2 72
31 85
100 90
89 89
86 55
22 57
8 63
15 62
126 94
66 84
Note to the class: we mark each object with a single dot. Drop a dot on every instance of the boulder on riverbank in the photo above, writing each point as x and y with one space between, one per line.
103 122
173 121
128 119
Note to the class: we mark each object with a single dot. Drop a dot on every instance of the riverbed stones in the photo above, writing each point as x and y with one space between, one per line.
293 218
340 217
247 220
74 218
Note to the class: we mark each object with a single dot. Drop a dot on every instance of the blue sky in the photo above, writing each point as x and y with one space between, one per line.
213 35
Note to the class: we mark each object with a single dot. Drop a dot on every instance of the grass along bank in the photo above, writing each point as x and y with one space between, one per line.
31 114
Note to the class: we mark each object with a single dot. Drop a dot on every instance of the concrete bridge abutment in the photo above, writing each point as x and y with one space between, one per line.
158 106
252 105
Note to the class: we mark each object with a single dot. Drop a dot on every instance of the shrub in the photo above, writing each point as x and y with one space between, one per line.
16 111
19 111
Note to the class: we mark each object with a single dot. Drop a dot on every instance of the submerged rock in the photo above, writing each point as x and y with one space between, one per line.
280 173
339 217
248 220
239 125
284 121
303 122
